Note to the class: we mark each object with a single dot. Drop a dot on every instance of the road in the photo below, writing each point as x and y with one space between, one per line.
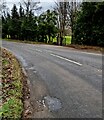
65 83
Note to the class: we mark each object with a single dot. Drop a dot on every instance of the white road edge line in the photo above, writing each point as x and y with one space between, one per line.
66 59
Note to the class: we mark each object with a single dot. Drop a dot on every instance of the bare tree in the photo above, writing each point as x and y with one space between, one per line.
30 6
71 10
66 16
3 8
62 14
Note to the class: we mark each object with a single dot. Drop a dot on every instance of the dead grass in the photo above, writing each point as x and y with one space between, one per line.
12 87
15 89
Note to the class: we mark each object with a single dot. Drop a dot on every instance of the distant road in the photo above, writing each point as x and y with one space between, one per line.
65 83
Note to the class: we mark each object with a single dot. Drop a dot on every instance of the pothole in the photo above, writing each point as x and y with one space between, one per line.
53 104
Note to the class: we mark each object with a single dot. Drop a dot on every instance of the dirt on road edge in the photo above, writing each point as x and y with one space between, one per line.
86 48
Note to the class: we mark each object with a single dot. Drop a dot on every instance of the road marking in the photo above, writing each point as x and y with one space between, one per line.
66 59
38 50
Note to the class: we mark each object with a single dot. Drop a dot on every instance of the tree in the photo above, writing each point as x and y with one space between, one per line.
66 17
89 27
47 25
21 11
61 21
21 19
72 8
4 28
30 6
98 25
26 26
50 20
42 28
14 26
5 25
29 27
4 17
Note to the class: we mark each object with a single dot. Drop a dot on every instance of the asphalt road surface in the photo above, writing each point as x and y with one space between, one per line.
65 83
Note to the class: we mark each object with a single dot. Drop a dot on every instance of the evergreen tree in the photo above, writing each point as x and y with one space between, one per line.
89 27
21 11
14 12
14 27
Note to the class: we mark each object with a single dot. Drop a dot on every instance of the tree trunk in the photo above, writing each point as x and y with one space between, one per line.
72 36
49 38
61 39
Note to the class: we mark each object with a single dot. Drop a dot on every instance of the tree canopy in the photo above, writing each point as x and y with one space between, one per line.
86 23
26 26
89 26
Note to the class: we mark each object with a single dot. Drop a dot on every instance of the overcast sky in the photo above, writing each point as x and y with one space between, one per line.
46 4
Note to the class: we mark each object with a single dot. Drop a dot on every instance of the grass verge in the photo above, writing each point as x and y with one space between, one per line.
24 41
67 42
87 48
12 87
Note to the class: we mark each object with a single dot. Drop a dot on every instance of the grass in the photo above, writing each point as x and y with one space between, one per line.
12 87
11 108
66 40
24 41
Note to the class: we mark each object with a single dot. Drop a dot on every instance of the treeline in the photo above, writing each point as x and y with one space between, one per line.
89 24
25 26
86 23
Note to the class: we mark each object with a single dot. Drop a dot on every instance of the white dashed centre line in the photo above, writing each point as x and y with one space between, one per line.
66 59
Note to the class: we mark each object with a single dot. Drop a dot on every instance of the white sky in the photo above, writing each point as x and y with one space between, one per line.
45 4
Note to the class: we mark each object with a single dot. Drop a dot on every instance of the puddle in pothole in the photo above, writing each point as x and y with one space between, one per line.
52 103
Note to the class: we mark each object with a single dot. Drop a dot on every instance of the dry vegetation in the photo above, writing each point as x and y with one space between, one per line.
13 88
